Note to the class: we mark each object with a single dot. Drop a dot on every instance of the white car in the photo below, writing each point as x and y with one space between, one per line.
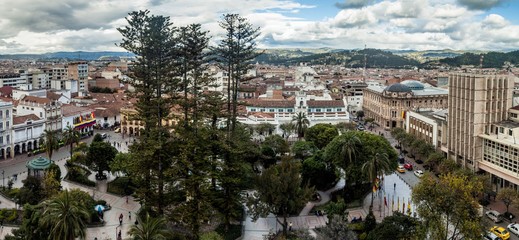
418 173
513 228
494 215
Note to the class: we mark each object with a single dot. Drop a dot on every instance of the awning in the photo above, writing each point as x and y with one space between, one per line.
84 125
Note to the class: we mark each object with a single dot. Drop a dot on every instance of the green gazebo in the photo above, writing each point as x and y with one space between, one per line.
37 165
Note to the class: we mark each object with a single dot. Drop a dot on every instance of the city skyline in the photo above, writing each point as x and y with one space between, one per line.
35 26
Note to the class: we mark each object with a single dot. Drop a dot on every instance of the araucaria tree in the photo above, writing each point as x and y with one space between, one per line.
279 191
235 52
152 38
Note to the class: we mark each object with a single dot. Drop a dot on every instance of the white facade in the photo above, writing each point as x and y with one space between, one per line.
13 79
6 121
27 133
26 90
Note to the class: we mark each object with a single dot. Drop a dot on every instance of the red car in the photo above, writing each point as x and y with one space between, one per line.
408 166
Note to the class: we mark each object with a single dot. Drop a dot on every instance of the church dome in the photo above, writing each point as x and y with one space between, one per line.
413 84
397 87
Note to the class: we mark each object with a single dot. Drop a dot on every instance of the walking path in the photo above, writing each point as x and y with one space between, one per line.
120 205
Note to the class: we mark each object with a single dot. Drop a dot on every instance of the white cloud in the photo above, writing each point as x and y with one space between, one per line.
35 26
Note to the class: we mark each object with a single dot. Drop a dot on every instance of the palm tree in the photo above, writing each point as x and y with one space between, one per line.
301 122
349 148
65 217
149 229
50 141
70 136
287 129
378 164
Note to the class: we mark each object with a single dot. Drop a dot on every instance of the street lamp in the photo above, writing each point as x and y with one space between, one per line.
3 179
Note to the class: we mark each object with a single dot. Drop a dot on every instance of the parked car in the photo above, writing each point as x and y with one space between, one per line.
495 216
491 236
117 130
513 228
401 169
500 232
361 128
104 135
408 166
418 161
418 173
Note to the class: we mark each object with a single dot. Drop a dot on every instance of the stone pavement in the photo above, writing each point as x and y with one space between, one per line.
120 205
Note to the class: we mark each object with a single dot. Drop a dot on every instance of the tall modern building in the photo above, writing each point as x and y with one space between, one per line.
475 102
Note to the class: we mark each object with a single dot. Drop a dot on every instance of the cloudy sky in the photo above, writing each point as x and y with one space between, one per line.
39 26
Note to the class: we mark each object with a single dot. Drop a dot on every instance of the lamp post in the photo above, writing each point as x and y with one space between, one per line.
3 179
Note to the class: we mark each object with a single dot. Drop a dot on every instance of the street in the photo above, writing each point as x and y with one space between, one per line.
16 165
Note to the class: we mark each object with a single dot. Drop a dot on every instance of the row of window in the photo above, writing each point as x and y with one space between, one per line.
7 139
271 110
7 114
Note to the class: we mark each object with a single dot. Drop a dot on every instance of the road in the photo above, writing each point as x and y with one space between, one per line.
17 165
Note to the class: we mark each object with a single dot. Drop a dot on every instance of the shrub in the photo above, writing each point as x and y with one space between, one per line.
79 175
121 186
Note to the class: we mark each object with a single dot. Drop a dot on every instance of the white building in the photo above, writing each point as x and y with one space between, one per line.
13 79
43 108
6 120
26 131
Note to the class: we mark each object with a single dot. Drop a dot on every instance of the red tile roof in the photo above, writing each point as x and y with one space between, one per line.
271 103
325 103
72 110
24 118
34 99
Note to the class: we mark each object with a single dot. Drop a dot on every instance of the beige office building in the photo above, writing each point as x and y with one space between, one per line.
389 105
475 102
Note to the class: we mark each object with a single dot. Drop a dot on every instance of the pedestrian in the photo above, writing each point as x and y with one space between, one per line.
394 186
120 236
290 226
130 216
121 219
126 199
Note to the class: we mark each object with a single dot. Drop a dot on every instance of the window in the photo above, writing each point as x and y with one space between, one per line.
271 110
7 124
280 110
7 139
501 130
6 113
1 139
1 125
253 109
328 109
290 110
1 113
318 110
510 132
41 114
514 115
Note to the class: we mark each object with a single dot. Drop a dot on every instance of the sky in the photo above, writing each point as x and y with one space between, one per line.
40 26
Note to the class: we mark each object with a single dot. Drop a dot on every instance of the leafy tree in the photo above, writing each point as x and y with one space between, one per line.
370 122
279 191
51 142
31 229
121 163
303 149
447 166
360 114
98 138
100 155
301 122
70 137
448 207
346 126
318 173
277 143
508 196
399 134
51 186
377 166
65 217
287 128
265 128
235 53
434 160
31 192
54 168
150 229
336 228
396 226
321 134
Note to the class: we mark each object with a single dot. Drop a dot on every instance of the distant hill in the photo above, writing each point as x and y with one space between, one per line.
351 58
79 55
490 59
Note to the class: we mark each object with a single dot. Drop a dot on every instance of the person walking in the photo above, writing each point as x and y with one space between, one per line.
290 226
121 219
130 216
394 186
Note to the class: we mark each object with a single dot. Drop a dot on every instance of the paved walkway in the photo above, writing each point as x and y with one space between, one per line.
120 205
